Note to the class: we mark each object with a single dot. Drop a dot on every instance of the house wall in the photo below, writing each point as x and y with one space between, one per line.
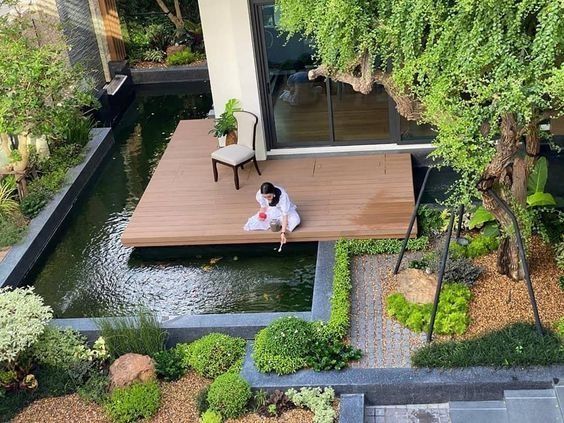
231 62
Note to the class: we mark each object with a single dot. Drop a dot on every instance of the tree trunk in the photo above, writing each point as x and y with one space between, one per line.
506 174
177 19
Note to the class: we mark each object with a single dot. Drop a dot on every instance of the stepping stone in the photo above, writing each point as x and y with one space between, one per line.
526 406
478 411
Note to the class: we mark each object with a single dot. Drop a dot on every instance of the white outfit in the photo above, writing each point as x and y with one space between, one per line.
285 207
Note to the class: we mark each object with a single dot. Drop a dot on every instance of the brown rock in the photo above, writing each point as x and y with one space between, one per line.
175 49
131 368
417 286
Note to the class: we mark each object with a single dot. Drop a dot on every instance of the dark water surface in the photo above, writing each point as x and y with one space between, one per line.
88 272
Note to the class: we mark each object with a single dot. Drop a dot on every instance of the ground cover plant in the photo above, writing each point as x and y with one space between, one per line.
229 395
135 402
516 345
452 312
318 400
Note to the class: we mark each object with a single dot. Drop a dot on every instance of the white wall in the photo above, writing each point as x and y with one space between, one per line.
229 50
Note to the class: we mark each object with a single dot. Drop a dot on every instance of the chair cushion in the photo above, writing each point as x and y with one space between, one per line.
233 154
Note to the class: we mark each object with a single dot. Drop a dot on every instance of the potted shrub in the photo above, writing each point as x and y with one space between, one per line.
226 125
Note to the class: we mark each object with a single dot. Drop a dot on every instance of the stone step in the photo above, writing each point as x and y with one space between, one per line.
478 411
531 406
559 390
411 413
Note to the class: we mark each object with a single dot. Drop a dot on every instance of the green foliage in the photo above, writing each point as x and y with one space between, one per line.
211 416
319 401
214 354
283 346
229 395
339 320
452 313
23 317
480 217
559 327
331 354
460 270
515 345
561 283
12 230
141 334
138 401
155 55
38 88
226 122
77 129
548 223
34 202
429 221
184 57
96 388
481 245
169 365
8 205
202 403
559 255
536 183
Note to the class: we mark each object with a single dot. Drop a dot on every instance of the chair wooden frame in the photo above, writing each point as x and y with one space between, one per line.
236 167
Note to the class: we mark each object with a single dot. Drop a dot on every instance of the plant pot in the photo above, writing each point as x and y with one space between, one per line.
221 141
231 138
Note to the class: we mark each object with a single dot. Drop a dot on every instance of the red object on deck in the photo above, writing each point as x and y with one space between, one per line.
262 216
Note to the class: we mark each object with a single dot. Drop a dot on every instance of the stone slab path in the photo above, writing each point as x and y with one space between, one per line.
385 343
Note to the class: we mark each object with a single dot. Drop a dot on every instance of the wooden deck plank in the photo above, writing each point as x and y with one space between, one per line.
369 196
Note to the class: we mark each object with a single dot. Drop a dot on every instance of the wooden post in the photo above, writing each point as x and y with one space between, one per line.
116 46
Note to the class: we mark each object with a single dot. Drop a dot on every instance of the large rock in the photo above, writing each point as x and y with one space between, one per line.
417 286
175 49
131 368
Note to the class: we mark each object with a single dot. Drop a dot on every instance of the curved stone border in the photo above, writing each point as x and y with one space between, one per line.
167 75
22 257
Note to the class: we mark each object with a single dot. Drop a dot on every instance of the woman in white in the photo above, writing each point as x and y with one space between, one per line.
274 205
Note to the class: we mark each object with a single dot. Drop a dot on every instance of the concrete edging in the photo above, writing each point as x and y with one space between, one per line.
22 257
168 75
351 408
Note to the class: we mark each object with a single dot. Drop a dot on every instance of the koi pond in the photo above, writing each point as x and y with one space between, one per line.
89 273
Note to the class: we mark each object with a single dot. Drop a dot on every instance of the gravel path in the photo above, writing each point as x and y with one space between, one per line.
385 343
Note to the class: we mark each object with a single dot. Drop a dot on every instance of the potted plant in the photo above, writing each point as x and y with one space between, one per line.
226 125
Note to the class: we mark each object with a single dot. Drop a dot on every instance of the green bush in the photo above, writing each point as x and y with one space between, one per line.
481 245
429 220
559 255
214 354
138 401
34 202
141 335
560 327
331 354
283 346
515 345
11 230
202 403
452 313
96 388
59 347
168 364
229 395
319 401
184 57
561 283
76 130
211 416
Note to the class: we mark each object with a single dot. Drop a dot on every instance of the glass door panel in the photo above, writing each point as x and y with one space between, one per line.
299 106
358 117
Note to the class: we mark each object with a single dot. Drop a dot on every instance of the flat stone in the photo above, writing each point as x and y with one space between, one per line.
131 368
526 406
351 408
417 286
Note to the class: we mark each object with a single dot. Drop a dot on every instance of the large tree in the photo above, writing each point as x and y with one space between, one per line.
483 73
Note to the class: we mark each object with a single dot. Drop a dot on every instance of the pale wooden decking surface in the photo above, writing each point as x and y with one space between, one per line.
369 196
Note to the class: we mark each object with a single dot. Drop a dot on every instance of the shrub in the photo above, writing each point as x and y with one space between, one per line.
12 230
559 255
331 354
229 395
59 347
140 400
339 319
202 403
319 401
96 388
560 328
154 55
77 130
283 346
515 345
211 416
459 270
34 202
275 404
214 354
23 317
168 364
429 221
141 335
481 245
452 312
184 57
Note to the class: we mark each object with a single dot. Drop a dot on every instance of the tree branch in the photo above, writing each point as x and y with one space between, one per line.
174 19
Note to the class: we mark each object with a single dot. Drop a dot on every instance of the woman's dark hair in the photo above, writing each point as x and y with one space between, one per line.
267 188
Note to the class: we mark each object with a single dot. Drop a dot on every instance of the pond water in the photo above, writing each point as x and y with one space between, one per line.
88 272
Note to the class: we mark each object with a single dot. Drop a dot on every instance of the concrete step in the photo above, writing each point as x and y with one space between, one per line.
411 413
478 411
531 406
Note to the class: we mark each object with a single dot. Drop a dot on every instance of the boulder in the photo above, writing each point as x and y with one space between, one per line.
417 286
175 49
131 368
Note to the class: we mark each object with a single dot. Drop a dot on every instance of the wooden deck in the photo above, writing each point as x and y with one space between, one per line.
369 196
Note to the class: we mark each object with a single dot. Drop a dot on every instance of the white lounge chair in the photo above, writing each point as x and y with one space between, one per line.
237 155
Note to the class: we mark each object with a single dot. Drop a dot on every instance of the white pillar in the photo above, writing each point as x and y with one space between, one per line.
226 25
